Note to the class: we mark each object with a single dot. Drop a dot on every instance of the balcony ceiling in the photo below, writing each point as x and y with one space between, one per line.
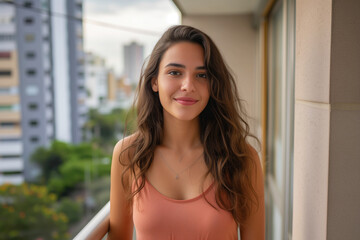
216 7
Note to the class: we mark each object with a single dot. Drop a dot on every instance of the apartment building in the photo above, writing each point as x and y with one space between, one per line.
11 149
96 80
133 60
42 81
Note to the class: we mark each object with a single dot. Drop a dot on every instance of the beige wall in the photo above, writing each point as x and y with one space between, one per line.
237 41
327 120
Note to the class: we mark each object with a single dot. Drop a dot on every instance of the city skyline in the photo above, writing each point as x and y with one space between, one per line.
147 19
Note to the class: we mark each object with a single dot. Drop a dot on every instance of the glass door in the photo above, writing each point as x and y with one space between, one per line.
280 105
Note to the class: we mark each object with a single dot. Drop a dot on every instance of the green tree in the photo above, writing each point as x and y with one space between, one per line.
72 209
70 164
106 129
49 160
27 213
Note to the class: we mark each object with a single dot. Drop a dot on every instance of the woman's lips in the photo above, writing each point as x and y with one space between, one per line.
186 100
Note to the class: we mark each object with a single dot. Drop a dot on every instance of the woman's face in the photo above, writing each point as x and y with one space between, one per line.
182 81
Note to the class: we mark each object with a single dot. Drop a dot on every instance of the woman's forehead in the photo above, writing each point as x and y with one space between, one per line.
184 53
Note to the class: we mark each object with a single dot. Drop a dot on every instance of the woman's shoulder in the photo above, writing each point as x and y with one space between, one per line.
125 144
124 149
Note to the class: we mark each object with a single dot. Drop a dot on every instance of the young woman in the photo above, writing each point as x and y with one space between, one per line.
188 171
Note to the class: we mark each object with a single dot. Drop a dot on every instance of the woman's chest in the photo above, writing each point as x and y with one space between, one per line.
159 217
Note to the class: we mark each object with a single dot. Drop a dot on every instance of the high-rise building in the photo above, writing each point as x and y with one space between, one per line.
11 147
42 81
96 80
133 60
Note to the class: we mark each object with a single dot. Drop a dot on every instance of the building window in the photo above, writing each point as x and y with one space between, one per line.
33 123
80 61
6 19
5 107
31 72
7 37
29 37
8 124
30 55
28 4
10 140
4 91
33 106
28 20
34 139
5 55
32 90
5 73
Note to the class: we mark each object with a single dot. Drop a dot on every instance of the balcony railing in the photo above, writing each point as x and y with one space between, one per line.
98 227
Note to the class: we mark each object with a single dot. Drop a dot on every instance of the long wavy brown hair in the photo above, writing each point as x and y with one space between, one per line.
223 129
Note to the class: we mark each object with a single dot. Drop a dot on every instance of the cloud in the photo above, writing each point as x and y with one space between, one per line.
151 15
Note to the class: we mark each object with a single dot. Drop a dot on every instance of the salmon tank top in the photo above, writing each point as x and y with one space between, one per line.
158 217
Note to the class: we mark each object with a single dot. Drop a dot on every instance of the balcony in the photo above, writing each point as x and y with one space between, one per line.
13 178
12 165
98 227
11 148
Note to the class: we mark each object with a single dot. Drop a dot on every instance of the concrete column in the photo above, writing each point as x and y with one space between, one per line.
327 120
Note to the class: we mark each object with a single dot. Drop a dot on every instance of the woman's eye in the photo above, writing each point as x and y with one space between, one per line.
202 75
174 73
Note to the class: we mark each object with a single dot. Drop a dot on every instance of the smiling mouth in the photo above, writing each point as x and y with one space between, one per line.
186 101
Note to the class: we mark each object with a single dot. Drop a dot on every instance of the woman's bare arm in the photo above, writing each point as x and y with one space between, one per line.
121 223
254 227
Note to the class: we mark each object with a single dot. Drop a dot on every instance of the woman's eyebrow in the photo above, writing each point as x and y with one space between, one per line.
175 65
183 66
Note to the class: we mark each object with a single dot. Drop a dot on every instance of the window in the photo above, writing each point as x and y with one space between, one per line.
28 20
4 91
280 65
33 106
5 55
34 139
5 107
6 19
8 124
33 123
28 4
5 73
31 72
30 55
7 37
10 140
32 90
29 37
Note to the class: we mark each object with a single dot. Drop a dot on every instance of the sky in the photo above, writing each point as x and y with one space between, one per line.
152 17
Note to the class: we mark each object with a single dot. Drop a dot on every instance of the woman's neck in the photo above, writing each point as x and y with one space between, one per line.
181 135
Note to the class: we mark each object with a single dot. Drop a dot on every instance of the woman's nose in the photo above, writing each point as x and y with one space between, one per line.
188 84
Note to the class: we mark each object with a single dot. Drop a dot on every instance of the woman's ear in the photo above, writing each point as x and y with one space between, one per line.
154 85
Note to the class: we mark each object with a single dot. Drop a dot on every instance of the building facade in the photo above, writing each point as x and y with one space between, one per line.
40 100
11 147
133 60
96 80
